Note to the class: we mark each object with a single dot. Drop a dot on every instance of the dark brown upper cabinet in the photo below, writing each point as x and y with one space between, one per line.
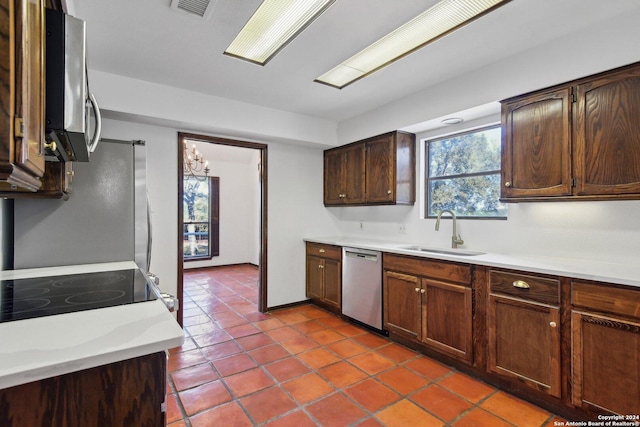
536 150
607 134
22 162
576 141
56 183
375 171
23 170
344 172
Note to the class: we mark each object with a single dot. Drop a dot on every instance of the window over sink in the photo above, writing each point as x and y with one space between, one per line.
463 174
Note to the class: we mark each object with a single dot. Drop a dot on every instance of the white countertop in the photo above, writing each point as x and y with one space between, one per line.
624 274
44 347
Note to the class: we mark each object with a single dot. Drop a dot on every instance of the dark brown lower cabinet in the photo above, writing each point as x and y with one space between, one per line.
606 363
315 277
524 342
402 306
421 308
324 281
126 393
324 276
569 345
523 328
605 345
448 318
333 283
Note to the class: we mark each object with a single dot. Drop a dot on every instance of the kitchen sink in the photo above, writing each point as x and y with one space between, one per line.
458 252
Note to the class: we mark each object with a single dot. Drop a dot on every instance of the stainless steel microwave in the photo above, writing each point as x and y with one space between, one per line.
72 114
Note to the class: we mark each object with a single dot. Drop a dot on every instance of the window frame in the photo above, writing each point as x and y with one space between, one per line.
213 223
428 179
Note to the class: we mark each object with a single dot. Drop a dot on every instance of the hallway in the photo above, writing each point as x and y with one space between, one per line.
303 366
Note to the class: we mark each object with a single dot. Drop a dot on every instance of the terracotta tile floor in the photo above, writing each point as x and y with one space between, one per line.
304 367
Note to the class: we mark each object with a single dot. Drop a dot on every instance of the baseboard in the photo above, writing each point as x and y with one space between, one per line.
211 267
290 305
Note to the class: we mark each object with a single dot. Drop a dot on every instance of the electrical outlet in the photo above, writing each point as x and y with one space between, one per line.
402 228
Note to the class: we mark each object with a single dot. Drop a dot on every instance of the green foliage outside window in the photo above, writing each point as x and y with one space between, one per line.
463 174
196 218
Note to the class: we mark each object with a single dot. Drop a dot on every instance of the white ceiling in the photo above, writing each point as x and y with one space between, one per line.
146 39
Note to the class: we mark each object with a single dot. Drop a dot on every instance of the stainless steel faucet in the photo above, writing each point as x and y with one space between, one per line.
455 238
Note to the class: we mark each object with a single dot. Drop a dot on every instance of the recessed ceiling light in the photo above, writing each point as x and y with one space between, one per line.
452 120
272 26
432 24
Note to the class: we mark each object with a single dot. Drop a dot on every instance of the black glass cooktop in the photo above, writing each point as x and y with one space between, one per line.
46 296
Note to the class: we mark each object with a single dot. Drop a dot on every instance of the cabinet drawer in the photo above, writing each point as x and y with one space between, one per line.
324 251
524 286
425 267
606 298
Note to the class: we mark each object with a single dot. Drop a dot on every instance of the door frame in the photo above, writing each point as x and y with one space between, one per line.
262 259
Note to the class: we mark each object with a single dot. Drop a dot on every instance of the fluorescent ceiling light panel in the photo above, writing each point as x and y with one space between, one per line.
438 21
275 23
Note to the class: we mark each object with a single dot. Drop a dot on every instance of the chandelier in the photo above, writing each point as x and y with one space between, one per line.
193 164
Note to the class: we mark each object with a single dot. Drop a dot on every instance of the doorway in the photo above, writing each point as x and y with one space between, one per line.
262 173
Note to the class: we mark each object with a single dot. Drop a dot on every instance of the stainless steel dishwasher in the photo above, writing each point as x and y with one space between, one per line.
362 286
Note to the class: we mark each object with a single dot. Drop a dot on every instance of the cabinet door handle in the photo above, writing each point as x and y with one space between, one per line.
520 284
321 251
388 191
417 289
51 145
422 291
507 184
321 266
553 324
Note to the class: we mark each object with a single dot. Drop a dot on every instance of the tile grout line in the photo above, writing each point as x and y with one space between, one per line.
368 414
239 307
278 383
275 381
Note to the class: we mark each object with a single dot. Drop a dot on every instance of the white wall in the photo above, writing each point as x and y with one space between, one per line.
295 207
256 207
610 44
594 231
296 211
146 102
237 169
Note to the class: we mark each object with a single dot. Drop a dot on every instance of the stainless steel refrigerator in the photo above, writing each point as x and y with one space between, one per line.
105 219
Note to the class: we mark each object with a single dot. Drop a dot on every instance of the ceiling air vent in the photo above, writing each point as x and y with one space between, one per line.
202 8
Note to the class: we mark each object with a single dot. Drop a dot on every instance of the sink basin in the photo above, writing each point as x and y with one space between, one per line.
458 252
